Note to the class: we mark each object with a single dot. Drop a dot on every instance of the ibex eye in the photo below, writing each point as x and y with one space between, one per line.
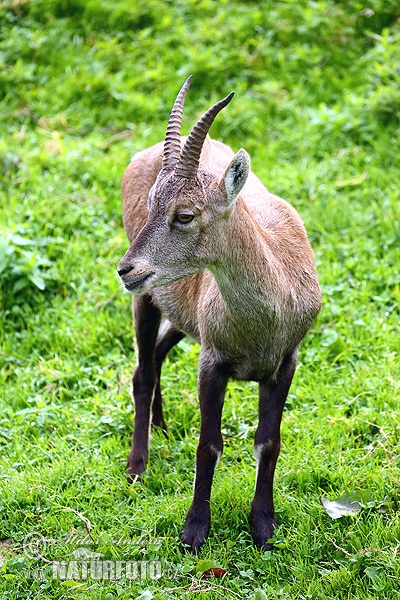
184 218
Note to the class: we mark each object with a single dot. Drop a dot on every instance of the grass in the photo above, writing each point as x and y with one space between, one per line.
83 85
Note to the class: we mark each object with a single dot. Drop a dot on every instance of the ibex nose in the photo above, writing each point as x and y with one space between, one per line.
124 271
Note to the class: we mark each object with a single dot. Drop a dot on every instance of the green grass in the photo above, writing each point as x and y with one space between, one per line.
84 85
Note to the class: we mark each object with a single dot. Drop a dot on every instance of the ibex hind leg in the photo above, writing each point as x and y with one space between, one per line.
147 320
272 397
167 338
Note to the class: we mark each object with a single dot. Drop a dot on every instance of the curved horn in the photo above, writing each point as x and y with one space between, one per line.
190 155
172 143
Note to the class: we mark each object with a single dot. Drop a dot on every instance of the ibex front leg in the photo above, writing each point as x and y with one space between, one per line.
212 385
272 397
147 320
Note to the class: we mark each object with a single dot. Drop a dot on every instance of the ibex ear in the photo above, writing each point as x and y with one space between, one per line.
235 176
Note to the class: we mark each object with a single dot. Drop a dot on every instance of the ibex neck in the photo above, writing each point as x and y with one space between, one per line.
245 273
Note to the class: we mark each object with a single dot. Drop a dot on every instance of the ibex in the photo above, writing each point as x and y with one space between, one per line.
228 263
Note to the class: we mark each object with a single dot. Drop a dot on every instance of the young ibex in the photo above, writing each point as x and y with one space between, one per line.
228 263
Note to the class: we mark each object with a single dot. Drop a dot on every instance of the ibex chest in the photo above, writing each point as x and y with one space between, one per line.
252 343
251 334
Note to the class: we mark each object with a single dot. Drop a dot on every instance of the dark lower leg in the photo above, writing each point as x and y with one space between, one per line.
147 320
163 346
212 384
272 397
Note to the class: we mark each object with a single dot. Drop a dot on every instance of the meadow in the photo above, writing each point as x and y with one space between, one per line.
83 86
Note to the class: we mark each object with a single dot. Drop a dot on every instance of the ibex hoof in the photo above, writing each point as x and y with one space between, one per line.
261 541
194 534
132 478
134 469
263 530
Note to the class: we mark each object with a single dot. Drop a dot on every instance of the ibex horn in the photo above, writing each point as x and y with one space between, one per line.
190 155
172 143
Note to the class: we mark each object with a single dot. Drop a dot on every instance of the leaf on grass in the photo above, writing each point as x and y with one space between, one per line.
260 595
38 281
348 504
20 284
213 572
203 565
18 240
70 583
374 573
145 595
207 568
329 337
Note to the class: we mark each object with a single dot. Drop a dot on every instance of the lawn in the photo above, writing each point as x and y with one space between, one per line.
83 86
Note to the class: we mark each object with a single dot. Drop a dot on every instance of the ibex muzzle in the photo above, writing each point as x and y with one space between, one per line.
228 263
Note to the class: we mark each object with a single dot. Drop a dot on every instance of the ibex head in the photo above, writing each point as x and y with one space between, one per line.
188 208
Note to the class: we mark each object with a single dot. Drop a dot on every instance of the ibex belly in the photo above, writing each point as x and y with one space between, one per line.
259 359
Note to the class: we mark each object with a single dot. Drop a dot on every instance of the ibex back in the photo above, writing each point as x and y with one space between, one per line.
228 263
